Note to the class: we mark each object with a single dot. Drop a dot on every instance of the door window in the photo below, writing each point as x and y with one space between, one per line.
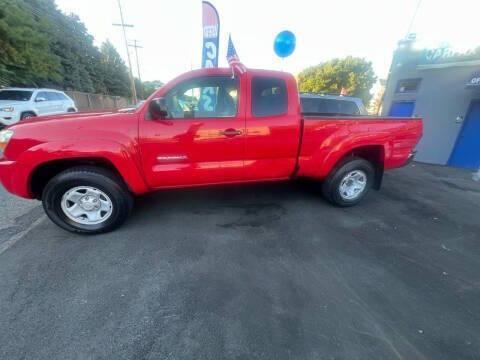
42 96
51 96
61 96
269 96
207 97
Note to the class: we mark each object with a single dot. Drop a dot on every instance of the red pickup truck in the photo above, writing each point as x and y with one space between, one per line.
205 127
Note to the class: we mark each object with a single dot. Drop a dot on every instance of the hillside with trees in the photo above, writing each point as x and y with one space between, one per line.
41 46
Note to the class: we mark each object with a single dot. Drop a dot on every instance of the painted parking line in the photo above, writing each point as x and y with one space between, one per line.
13 240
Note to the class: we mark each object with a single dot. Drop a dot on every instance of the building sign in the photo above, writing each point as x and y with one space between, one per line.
440 54
445 55
474 81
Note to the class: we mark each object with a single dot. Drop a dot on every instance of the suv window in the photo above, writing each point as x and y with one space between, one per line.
319 106
349 107
52 96
206 97
15 95
42 95
269 96
61 96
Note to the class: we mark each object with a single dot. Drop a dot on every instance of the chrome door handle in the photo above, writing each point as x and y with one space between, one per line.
230 132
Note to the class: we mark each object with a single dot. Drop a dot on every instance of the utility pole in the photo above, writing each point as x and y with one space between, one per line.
136 47
123 26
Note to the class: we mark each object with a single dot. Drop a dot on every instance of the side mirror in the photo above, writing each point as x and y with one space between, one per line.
40 99
158 108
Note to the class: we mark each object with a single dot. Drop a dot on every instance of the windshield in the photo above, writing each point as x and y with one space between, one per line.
15 95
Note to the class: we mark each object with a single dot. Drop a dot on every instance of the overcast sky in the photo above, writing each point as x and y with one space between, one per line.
171 34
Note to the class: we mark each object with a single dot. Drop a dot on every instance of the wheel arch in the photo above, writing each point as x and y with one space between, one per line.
375 154
44 172
32 111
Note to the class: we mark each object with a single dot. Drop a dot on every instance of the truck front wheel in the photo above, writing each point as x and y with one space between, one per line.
349 182
87 200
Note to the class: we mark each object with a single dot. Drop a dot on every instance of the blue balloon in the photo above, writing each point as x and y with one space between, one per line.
284 44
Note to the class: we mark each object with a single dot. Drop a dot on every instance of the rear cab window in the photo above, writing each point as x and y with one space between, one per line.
269 96
329 107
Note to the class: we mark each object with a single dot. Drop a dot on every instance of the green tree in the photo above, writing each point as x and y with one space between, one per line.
25 49
354 74
148 87
114 70
42 46
72 44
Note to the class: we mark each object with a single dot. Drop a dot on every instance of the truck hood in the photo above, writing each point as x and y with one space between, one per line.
66 133
87 115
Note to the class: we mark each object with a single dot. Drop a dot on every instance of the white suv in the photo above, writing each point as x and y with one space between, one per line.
17 104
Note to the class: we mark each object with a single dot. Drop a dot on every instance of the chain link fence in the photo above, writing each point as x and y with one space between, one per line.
3 82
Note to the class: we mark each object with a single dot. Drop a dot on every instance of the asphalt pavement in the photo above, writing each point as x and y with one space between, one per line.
266 271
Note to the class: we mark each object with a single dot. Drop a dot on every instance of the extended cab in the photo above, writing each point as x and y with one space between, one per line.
205 127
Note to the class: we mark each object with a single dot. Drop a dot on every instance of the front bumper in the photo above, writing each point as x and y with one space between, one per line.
14 178
9 118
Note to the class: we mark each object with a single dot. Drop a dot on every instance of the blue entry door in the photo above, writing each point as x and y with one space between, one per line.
467 149
402 109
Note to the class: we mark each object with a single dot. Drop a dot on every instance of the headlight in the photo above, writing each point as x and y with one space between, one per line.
7 109
5 136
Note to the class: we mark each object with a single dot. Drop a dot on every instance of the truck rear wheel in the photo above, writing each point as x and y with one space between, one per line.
87 200
349 182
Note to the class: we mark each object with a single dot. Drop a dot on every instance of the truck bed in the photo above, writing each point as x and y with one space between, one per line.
326 139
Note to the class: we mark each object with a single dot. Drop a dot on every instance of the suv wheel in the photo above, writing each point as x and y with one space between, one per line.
349 182
87 200
27 115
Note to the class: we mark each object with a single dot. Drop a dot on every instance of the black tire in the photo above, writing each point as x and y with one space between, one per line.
71 110
331 186
27 115
98 178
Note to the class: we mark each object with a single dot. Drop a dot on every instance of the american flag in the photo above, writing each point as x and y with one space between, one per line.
233 59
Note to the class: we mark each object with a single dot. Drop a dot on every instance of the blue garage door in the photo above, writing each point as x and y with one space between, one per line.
402 109
467 150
